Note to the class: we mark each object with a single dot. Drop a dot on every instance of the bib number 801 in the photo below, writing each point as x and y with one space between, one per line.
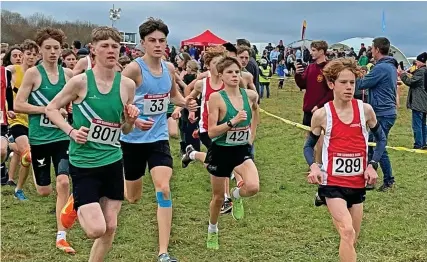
347 166
104 133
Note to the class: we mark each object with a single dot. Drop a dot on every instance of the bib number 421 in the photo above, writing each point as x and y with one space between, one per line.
238 135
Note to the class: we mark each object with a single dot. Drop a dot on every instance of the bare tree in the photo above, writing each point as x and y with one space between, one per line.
15 28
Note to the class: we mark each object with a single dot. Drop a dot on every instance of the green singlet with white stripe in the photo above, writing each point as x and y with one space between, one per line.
102 114
41 129
239 134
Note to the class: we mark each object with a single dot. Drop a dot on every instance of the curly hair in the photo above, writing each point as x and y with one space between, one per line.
50 32
212 52
7 57
226 62
333 69
29 45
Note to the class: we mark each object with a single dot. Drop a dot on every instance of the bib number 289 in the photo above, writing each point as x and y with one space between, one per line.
104 132
348 166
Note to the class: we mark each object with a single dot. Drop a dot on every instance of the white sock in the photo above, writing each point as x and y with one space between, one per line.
192 155
236 193
61 235
213 228
226 196
232 176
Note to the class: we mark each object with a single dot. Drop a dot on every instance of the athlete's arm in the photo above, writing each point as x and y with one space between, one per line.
68 94
129 86
197 89
80 66
132 71
249 79
21 100
68 73
313 137
190 86
375 127
253 96
176 97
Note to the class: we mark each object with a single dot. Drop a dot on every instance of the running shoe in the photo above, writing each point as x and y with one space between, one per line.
186 160
19 194
212 242
237 210
318 201
227 206
68 214
11 183
64 246
166 258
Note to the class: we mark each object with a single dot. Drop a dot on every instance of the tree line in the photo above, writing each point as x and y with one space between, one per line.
15 28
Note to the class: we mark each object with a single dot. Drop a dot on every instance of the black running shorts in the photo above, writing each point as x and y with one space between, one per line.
221 160
136 157
352 196
43 155
90 184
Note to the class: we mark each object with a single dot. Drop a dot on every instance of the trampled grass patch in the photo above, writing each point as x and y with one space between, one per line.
281 222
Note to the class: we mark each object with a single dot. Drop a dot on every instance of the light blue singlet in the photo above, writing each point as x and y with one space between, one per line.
152 99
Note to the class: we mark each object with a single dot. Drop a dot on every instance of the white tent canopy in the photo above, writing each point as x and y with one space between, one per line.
356 41
300 43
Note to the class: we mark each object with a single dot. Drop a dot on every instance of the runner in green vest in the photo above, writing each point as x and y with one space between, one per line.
102 108
229 126
49 145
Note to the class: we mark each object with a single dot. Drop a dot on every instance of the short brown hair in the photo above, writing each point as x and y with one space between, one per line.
242 49
333 69
29 45
383 45
124 60
226 62
104 33
49 32
320 45
68 52
212 52
152 24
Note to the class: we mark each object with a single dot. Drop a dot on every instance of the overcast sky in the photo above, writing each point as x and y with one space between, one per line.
256 21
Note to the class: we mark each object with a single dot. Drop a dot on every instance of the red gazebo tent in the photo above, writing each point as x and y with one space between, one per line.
207 38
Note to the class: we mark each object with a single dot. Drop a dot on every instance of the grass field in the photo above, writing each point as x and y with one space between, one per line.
281 222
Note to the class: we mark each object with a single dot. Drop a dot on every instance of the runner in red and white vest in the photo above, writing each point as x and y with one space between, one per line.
346 169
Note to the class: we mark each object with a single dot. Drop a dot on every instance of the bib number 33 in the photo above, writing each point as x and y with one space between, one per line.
155 104
238 135
104 132
347 166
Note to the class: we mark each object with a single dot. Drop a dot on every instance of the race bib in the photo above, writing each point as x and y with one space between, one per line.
45 121
238 135
155 104
347 164
104 132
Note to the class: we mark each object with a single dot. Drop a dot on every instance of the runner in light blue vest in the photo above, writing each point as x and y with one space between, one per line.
148 144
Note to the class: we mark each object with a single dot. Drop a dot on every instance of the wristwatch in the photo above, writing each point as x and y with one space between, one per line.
373 164
229 124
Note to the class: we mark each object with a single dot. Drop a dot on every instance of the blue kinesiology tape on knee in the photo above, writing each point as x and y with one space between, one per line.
63 167
163 202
